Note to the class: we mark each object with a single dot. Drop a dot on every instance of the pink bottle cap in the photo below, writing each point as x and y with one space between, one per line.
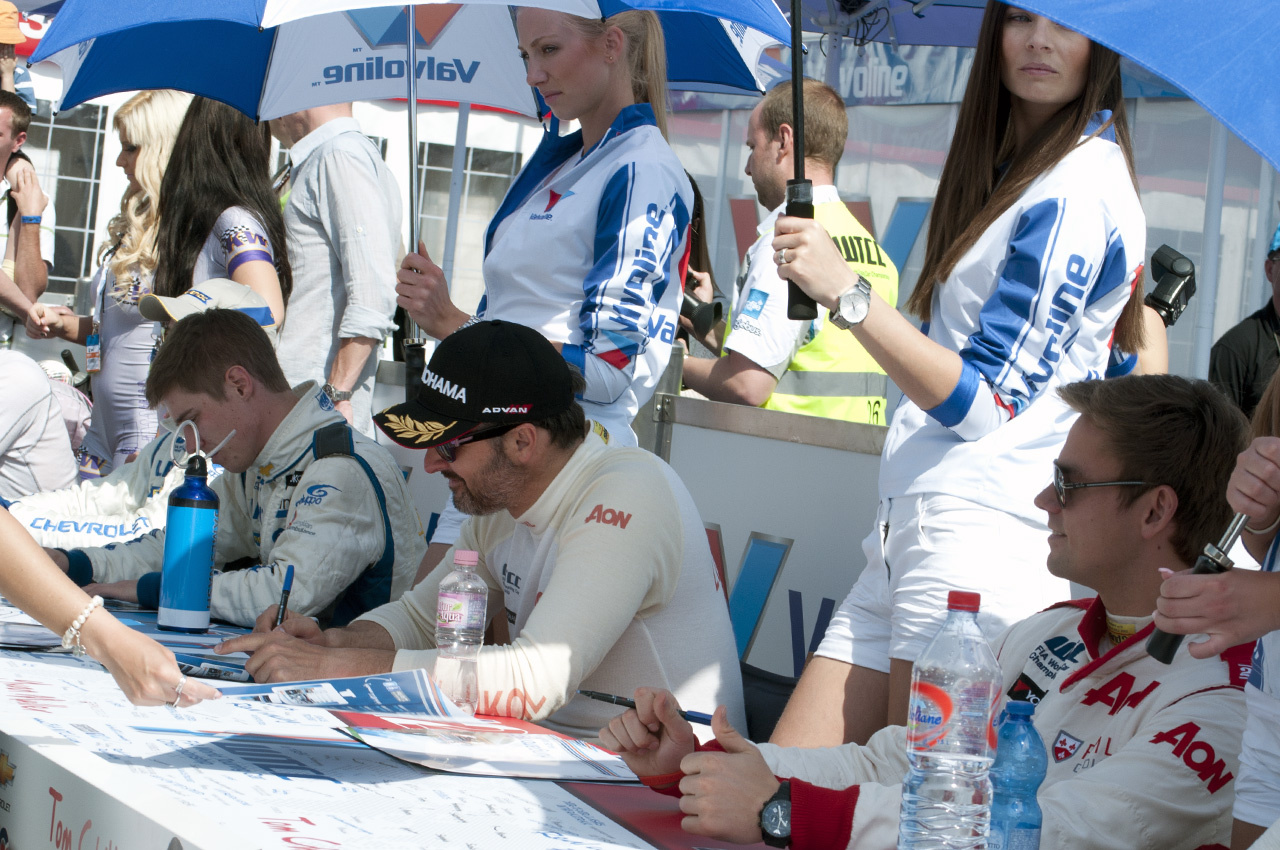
471 558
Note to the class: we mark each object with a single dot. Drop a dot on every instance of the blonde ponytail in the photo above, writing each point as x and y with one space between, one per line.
646 55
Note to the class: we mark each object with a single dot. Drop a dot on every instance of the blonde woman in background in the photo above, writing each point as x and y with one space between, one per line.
122 421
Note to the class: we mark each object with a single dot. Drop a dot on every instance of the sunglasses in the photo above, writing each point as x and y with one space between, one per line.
449 451
1060 486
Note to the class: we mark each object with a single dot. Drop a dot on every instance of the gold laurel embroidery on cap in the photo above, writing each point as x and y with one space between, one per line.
420 432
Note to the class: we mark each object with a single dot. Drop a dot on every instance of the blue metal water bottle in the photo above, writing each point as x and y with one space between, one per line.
186 581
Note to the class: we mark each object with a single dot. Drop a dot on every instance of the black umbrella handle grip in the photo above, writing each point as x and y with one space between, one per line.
800 204
1162 646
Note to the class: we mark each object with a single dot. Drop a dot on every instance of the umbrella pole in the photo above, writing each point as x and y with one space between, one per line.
799 190
415 358
457 183
1207 273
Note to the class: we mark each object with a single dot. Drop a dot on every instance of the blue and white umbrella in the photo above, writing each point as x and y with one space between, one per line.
315 53
1227 62
272 57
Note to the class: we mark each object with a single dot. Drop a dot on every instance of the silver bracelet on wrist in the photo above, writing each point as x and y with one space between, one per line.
1267 530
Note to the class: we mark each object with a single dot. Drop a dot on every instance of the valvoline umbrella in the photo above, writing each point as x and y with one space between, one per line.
467 52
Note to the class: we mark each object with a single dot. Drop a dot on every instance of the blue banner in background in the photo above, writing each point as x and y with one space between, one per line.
879 75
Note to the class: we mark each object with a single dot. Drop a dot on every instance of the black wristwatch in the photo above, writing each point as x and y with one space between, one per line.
775 817
336 394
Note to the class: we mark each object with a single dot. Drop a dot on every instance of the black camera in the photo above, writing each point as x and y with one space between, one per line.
1175 278
703 314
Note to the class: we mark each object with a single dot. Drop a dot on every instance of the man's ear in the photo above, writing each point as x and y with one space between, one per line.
786 140
238 383
19 140
523 441
1159 508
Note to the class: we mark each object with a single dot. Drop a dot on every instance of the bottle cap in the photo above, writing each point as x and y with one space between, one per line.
466 557
1019 706
196 466
963 600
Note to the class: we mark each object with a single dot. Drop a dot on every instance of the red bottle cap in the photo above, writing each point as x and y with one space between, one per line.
963 600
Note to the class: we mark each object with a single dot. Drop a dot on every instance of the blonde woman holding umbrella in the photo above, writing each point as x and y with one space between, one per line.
589 244
1031 274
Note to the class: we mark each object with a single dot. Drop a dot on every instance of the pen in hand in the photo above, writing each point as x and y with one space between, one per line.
691 716
284 596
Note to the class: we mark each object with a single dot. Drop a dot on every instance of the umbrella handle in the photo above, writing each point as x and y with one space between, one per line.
800 204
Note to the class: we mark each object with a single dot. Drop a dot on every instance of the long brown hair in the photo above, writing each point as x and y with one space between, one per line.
971 194
220 159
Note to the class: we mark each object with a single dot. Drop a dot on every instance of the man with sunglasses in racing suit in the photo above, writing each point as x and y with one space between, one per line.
597 552
1142 754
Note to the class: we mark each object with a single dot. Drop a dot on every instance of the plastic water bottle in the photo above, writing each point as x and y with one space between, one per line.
1020 765
946 797
460 621
191 525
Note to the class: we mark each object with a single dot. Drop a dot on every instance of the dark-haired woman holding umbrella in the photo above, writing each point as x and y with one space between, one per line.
1030 276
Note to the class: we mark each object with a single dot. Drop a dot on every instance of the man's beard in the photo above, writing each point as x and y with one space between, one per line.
495 486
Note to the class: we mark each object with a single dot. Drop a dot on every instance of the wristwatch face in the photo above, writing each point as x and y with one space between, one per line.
776 818
337 395
853 305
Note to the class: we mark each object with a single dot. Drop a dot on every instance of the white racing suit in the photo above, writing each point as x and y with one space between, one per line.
1142 755
346 523
129 502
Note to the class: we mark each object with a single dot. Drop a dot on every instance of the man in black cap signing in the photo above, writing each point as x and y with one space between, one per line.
598 553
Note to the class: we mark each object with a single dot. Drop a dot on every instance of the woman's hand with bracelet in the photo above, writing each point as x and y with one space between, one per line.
1254 487
144 670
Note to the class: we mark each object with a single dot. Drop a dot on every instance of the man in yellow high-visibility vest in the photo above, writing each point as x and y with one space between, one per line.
767 360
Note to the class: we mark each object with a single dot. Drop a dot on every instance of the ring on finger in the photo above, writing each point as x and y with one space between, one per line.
781 257
177 691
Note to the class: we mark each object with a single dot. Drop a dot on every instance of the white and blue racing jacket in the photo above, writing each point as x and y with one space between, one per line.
590 251
346 523
1030 307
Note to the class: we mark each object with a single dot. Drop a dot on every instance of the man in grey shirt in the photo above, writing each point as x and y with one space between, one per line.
342 217
35 450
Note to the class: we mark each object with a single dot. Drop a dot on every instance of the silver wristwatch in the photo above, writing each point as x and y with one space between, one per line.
337 394
853 305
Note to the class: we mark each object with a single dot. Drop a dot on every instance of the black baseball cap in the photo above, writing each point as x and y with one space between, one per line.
488 372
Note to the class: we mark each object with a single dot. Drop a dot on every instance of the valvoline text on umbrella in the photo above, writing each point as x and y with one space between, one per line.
377 68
